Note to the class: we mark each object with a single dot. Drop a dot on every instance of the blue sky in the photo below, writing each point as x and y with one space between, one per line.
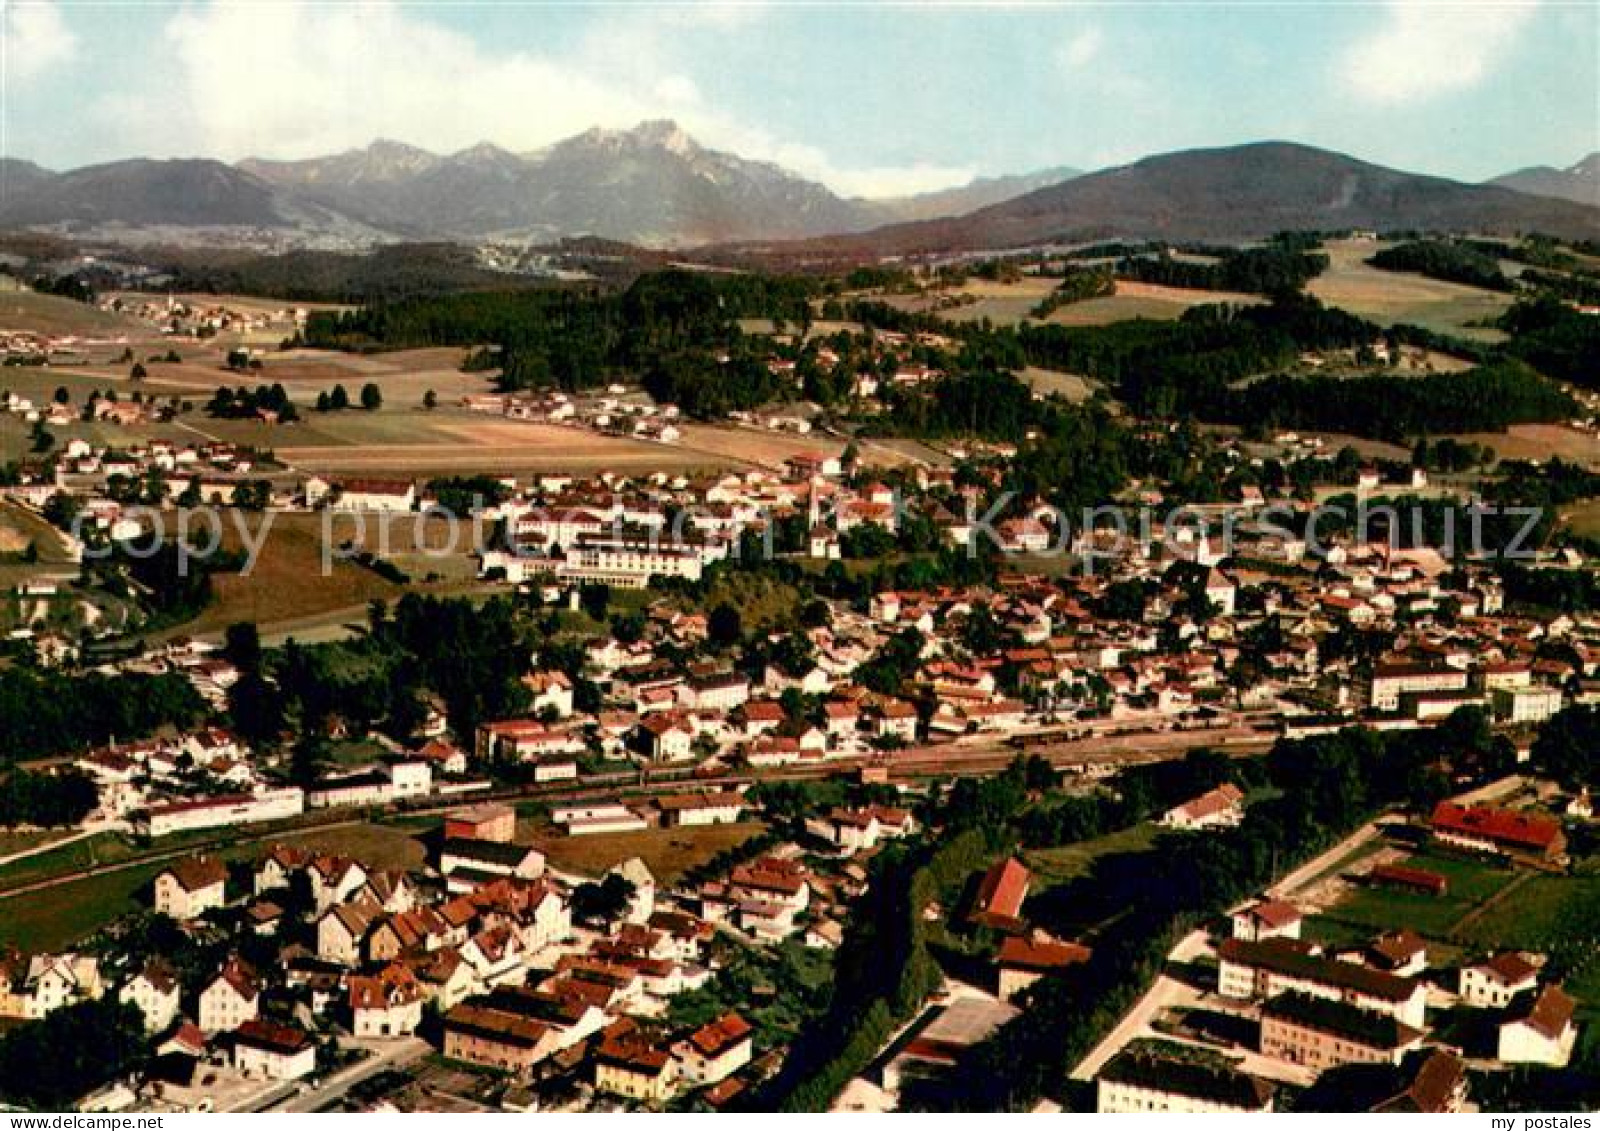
869 98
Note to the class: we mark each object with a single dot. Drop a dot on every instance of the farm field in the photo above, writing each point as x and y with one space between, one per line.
1541 442
1069 386
1388 297
668 853
1585 518
23 309
288 581
1472 884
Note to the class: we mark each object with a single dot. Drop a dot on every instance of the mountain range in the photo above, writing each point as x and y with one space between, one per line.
655 186
1580 182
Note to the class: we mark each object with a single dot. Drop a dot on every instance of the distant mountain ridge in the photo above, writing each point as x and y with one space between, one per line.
1580 182
1233 193
655 186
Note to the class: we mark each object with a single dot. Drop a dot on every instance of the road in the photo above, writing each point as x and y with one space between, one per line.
386 1055
1163 992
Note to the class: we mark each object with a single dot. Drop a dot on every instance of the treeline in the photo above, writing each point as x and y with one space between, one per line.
1254 270
1487 399
1184 367
47 713
385 274
1447 261
46 800
574 339
51 1064
1555 339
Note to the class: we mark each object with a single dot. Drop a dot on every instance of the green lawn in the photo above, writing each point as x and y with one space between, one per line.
1536 915
1471 883
1055 866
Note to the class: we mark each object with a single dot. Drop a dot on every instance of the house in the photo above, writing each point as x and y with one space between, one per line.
1138 1081
489 821
1392 680
155 990
1484 828
683 810
496 1038
342 929
191 887
998 903
1494 983
715 1051
1222 807
34 986
664 737
388 1004
1024 959
1267 919
627 1065
266 1050
1319 1033
375 495
1538 1029
1262 970
1438 1087
860 830
230 999
552 692
467 863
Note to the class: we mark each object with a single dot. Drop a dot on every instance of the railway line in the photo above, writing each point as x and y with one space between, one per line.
955 759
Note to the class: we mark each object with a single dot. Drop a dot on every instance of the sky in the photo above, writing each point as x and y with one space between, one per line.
869 98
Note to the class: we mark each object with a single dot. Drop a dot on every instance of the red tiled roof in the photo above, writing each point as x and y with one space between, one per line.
1502 826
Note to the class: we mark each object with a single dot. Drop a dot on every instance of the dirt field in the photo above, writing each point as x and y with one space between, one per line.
1388 296
288 581
47 314
668 853
1541 442
1585 518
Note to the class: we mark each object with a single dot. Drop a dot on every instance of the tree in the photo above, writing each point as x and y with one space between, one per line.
137 373
242 646
1566 746
371 397
338 400
430 400
62 396
724 626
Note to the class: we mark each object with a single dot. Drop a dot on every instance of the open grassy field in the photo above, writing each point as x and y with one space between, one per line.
20 840
1054 866
668 853
1049 382
1584 519
22 309
288 581
1472 883
1388 297
1541 442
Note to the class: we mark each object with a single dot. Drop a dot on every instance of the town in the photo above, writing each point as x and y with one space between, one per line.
885 597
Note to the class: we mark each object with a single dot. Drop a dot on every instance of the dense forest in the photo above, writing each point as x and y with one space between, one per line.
1386 407
1447 261
1254 270
45 713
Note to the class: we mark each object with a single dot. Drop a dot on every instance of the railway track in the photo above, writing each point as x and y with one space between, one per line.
953 760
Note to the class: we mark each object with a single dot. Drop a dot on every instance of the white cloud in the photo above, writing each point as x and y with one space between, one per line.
290 81
1423 50
36 38
1081 49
